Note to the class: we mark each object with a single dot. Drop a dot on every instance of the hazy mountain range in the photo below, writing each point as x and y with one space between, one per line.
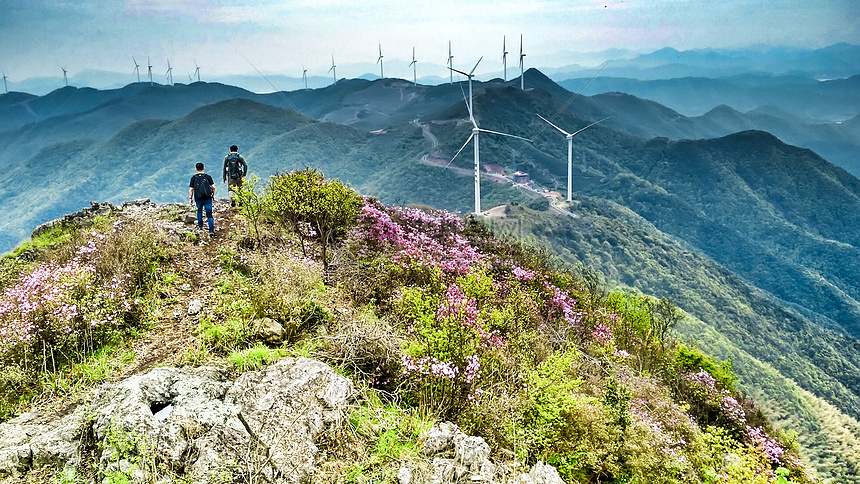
734 215
832 62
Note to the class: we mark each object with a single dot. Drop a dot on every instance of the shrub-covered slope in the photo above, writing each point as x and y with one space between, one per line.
431 314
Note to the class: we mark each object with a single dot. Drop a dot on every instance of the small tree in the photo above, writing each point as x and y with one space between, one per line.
666 317
251 205
313 207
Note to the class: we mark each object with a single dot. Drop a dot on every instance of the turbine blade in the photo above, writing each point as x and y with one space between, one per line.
461 149
476 66
504 134
459 72
554 126
590 125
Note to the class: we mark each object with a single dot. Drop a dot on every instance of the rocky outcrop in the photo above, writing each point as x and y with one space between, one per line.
456 457
192 422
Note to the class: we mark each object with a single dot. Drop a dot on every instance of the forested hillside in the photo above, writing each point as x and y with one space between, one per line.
755 238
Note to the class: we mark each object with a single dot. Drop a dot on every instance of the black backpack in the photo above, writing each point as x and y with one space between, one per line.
202 187
234 169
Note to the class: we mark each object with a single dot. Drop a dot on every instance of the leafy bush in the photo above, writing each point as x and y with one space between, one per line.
313 207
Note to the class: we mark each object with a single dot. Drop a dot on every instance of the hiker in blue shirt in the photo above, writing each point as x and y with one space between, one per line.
202 190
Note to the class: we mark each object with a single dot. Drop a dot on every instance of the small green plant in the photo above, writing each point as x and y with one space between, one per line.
223 336
69 475
254 358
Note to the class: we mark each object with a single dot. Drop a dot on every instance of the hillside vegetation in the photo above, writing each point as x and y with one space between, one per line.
754 238
434 316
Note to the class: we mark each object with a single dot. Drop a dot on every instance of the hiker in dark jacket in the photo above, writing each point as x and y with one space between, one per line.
202 190
234 172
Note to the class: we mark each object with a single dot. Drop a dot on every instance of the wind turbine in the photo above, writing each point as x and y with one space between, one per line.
505 58
305 76
65 79
149 69
414 63
569 137
5 86
136 69
169 73
522 84
475 133
196 71
379 61
333 70
450 62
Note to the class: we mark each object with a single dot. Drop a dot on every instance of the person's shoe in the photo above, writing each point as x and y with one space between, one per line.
211 234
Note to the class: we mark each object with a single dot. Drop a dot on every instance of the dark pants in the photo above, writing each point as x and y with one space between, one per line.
207 204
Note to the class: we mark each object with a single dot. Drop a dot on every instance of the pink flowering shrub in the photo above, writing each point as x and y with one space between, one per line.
82 296
542 360
61 308
453 350
410 237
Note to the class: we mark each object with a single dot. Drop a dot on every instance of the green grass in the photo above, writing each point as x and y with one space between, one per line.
49 238
254 358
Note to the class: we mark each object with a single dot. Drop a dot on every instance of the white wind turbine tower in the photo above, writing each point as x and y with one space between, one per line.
522 84
414 63
169 73
136 69
505 59
149 69
333 70
451 62
305 76
65 79
569 137
379 61
197 71
5 86
475 133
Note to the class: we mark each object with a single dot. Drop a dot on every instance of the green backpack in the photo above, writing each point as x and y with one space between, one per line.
234 166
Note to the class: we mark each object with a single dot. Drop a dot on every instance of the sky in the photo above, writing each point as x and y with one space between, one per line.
38 37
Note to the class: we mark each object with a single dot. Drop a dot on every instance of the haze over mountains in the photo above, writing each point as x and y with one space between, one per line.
746 214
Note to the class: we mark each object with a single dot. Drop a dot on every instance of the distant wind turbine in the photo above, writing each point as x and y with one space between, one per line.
450 62
305 76
5 86
196 71
414 71
136 69
333 70
379 61
475 133
149 69
569 137
505 59
522 83
65 79
169 73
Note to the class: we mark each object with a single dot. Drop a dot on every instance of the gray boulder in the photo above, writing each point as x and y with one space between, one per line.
192 421
270 331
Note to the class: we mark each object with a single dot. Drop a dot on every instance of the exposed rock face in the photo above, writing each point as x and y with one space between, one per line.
457 457
192 422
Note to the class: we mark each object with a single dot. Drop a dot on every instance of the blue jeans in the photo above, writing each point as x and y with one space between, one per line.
207 204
